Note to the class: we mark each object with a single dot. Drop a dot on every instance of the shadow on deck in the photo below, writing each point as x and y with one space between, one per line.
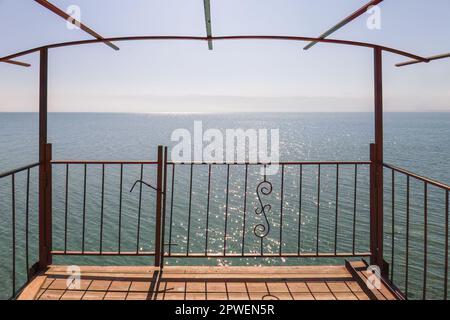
207 283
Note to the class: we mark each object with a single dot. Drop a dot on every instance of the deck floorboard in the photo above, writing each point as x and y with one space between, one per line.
200 283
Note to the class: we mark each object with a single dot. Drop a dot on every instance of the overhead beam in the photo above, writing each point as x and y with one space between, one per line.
220 38
207 5
437 57
74 21
347 20
17 63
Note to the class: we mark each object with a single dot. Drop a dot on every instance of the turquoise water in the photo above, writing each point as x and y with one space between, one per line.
415 141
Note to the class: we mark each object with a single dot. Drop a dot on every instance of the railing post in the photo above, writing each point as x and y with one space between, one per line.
45 172
376 173
373 207
45 208
164 194
159 245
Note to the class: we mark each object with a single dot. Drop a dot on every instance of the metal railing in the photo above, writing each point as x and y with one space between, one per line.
85 173
171 210
15 186
417 230
261 210
211 210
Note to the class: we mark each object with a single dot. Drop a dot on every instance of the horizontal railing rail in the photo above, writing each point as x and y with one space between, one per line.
285 163
419 232
418 177
18 170
16 208
103 162
208 162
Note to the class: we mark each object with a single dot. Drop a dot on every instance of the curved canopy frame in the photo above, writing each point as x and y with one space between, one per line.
218 38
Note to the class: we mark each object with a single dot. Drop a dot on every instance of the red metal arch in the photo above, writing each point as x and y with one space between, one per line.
208 39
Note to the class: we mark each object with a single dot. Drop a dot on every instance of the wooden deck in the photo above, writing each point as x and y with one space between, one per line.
207 283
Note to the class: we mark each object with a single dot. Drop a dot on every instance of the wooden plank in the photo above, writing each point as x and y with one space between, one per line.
31 291
388 292
353 268
383 291
321 270
52 295
361 275
178 273
341 270
205 282
213 276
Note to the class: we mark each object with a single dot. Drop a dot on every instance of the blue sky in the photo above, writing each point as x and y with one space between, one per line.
237 75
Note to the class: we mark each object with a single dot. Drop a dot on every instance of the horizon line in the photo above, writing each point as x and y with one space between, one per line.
222 112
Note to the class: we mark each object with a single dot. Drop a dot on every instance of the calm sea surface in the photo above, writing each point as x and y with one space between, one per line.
418 142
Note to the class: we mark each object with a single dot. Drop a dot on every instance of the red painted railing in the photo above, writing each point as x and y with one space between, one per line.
258 218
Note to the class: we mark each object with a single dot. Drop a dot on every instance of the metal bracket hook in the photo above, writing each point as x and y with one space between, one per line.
144 183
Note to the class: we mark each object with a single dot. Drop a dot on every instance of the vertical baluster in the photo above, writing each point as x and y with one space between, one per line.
27 211
245 208
171 209
446 247
66 205
164 200
120 208
138 236
262 239
337 210
355 192
84 208
13 207
393 226
190 208
407 238
226 211
425 239
318 210
102 208
281 210
207 211
160 207
300 188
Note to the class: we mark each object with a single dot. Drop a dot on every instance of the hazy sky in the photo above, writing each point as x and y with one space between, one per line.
237 75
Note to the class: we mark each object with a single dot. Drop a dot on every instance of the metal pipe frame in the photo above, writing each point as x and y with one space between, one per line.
74 21
44 166
418 177
218 38
17 63
344 22
432 58
207 6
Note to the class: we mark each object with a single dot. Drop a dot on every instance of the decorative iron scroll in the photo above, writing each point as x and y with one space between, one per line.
264 188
